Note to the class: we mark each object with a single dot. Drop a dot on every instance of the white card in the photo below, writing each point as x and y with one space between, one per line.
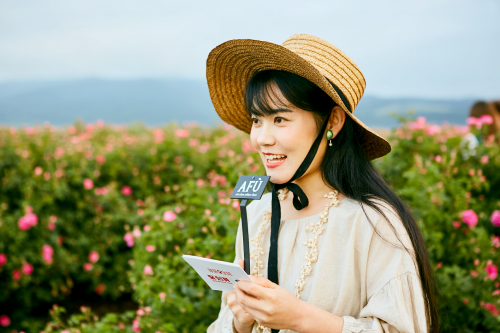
219 275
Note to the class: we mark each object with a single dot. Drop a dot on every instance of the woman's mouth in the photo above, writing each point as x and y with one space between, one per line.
273 161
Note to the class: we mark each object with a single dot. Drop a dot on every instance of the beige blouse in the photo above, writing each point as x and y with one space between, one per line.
372 284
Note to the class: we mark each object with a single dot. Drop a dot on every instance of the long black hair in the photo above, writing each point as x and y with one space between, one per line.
345 166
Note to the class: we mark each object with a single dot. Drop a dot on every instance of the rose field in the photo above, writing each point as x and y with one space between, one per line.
94 219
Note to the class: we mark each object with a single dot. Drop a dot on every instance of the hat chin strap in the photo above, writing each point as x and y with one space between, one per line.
300 201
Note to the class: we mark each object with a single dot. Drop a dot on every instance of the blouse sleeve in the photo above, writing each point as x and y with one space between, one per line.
395 299
224 322
397 307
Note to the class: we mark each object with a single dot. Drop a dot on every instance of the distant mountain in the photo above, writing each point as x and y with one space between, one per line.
160 101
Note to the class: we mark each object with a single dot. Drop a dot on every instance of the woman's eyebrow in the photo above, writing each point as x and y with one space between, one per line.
281 110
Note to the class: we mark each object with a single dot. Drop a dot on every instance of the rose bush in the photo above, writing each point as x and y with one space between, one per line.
449 176
73 201
115 207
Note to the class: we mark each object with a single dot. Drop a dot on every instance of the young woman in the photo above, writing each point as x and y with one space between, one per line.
333 249
488 108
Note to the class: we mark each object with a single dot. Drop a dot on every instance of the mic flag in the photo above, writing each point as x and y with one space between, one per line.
248 187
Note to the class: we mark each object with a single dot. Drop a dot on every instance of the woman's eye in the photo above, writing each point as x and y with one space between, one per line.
255 120
279 120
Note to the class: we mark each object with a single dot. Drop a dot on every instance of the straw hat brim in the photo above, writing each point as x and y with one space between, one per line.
231 65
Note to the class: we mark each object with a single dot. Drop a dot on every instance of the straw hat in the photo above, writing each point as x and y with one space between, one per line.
231 65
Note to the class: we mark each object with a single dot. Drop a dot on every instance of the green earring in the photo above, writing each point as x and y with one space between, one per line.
329 136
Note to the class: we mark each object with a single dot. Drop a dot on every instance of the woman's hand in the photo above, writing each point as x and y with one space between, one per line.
243 322
271 305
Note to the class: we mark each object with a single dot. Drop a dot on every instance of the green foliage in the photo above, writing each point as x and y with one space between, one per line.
439 177
44 171
180 181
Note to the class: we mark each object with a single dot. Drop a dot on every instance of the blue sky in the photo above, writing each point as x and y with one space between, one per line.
437 49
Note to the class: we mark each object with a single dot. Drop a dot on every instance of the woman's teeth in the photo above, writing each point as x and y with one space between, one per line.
274 158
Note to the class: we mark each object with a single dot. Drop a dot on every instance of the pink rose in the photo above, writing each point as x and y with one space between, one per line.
129 239
16 275
486 119
100 159
4 321
182 133
126 190
27 221
140 312
88 184
135 325
31 219
193 142
87 266
496 241
93 256
470 218
101 190
47 252
136 233
492 271
38 171
495 218
438 158
27 269
433 129
150 248
3 259
472 121
148 270
484 159
236 205
162 296
158 134
491 308
456 224
169 216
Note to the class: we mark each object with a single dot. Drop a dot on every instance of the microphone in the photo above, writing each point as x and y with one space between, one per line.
248 188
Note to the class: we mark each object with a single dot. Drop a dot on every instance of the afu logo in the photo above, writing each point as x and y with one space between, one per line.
250 187
253 184
219 279
218 271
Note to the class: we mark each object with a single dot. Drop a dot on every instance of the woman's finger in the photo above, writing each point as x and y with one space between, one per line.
253 289
246 300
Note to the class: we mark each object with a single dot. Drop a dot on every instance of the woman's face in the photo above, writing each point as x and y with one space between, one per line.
283 140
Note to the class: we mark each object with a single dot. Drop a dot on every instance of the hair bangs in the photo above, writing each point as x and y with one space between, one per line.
261 99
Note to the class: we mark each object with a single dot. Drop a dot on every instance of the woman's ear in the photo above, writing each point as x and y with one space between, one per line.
337 120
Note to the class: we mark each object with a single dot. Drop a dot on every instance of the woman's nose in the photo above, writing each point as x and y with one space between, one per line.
265 137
